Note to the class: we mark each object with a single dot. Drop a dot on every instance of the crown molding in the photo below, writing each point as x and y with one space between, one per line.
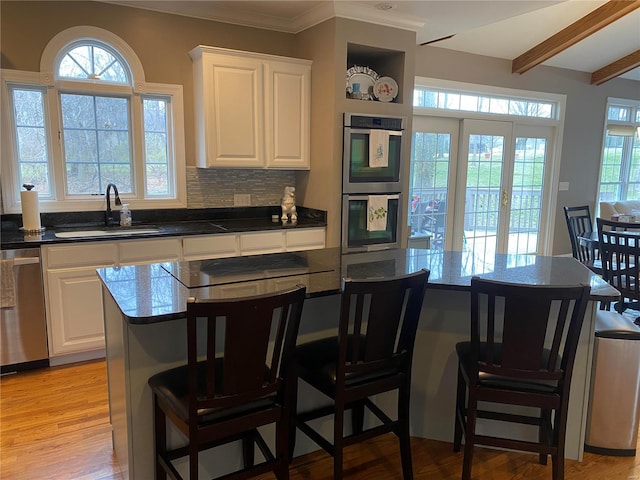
371 14
324 10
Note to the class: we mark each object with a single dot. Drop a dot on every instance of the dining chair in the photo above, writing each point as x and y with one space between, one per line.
243 381
620 251
521 353
371 354
578 223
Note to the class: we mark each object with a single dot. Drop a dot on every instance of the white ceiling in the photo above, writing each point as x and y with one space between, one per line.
496 28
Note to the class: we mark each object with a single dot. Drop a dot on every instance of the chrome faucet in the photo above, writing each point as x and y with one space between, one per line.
108 220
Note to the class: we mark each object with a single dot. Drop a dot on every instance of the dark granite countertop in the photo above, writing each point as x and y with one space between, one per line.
159 292
173 222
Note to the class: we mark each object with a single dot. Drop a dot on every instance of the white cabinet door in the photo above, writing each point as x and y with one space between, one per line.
256 243
74 255
75 311
73 295
152 250
229 109
234 118
244 289
287 115
305 239
210 246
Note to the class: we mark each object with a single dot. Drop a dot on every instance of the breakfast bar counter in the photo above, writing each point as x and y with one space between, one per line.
146 333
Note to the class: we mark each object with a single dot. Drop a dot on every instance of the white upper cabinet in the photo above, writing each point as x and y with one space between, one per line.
251 110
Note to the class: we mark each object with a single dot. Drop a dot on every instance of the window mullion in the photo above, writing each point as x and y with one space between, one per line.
137 145
626 165
56 159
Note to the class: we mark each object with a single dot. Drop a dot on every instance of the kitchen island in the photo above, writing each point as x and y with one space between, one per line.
146 332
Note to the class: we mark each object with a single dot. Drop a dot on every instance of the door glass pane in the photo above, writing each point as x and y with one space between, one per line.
483 194
359 155
526 195
428 186
356 223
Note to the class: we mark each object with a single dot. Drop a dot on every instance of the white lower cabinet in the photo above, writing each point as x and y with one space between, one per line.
73 290
252 243
73 295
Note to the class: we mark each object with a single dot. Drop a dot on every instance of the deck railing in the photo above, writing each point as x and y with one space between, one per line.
485 202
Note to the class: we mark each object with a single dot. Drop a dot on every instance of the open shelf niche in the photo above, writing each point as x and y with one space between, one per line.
385 62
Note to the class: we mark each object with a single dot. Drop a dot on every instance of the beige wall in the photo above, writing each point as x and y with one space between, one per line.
320 187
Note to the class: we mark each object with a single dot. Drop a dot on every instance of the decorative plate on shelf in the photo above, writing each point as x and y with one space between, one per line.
365 78
385 89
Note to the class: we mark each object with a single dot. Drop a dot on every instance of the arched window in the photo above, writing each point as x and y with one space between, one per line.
91 61
87 119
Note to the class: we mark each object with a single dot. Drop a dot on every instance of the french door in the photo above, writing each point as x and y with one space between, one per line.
489 177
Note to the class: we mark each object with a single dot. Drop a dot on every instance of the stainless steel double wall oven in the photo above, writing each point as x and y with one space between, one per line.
372 198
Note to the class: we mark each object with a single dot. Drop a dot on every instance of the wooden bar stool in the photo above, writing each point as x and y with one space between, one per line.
225 397
523 344
372 354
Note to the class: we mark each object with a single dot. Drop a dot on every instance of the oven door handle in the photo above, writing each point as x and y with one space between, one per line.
365 197
368 130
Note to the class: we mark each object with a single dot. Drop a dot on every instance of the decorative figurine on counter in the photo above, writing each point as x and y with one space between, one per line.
289 205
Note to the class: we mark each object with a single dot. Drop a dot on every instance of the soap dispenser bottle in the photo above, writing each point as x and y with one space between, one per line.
125 216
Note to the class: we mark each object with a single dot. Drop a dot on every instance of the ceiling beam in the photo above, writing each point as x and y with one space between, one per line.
617 68
574 33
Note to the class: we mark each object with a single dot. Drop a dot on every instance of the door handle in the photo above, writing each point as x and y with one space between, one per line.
504 199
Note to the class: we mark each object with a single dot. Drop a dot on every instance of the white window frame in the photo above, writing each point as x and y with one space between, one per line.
557 122
46 81
634 105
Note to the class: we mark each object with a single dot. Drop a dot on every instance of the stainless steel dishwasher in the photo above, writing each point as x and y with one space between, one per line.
23 326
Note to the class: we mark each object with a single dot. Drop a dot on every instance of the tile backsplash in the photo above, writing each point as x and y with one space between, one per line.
215 187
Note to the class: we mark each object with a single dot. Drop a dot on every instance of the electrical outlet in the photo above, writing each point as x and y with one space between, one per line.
241 199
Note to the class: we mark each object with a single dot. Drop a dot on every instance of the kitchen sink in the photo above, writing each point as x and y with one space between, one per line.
105 233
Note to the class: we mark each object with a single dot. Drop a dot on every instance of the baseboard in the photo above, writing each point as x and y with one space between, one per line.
76 357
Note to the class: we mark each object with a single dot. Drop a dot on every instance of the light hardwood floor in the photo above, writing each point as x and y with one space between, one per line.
54 425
